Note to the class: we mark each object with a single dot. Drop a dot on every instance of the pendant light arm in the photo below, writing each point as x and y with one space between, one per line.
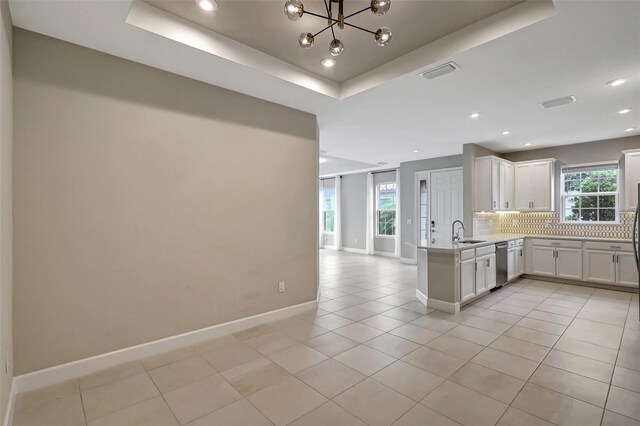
355 13
325 29
359 28
320 16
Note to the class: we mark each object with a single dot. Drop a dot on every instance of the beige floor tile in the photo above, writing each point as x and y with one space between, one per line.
580 365
302 331
117 395
402 314
253 332
434 361
355 313
487 324
180 373
629 360
554 300
392 345
270 342
624 402
506 363
202 397
365 359
420 415
61 411
607 316
415 333
520 348
504 317
474 335
111 374
382 322
168 357
555 407
330 377
595 332
544 326
231 356
330 344
254 375
548 316
328 414
559 310
374 403
212 344
49 393
297 358
286 400
239 413
477 409
358 332
456 347
519 301
376 306
488 382
410 381
571 384
614 419
588 350
510 309
332 321
532 336
516 417
434 323
152 412
627 379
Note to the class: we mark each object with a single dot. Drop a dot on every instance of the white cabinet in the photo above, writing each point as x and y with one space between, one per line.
626 270
467 279
519 260
494 184
477 273
569 263
506 193
629 178
543 261
610 264
600 266
557 258
533 183
490 271
511 263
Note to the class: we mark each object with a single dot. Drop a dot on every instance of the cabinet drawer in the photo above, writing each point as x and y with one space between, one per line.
467 254
481 251
556 243
592 245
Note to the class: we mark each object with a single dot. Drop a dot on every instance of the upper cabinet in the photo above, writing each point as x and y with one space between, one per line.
493 184
629 178
534 185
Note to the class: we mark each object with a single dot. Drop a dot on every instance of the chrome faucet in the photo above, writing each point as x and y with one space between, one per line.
455 237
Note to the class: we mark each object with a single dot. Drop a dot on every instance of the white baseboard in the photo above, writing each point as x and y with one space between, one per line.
440 305
421 297
408 260
354 250
11 404
385 254
82 367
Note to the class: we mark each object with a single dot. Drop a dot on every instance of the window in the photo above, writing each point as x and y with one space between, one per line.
328 209
590 193
386 209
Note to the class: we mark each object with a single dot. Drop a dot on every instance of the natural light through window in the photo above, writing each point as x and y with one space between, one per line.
328 210
590 193
386 209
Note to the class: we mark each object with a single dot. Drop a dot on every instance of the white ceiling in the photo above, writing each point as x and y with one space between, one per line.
573 53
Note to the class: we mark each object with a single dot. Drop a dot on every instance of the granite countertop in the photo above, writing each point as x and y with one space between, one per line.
450 247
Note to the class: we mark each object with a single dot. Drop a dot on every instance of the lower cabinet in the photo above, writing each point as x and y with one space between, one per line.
477 276
626 270
561 259
519 260
610 267
543 261
512 261
467 279
569 263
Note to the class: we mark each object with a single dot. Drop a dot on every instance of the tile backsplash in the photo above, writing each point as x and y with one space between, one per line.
548 223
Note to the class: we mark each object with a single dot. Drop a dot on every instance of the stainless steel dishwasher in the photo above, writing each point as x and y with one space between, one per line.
502 249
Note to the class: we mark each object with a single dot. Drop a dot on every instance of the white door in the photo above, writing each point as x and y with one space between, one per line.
569 263
422 204
523 178
490 271
511 263
506 186
446 203
627 271
599 266
519 261
541 197
467 279
543 261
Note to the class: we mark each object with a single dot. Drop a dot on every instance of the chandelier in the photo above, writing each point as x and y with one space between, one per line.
294 10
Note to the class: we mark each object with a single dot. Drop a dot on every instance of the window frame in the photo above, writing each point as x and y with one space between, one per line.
324 210
377 212
564 194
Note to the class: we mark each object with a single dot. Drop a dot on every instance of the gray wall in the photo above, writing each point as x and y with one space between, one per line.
140 200
408 198
6 224
354 211
470 151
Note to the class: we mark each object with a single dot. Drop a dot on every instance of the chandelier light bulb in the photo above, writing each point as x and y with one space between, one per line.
380 7
306 40
293 9
383 36
336 47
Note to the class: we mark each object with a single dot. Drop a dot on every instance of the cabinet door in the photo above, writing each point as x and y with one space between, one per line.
519 261
481 275
490 271
541 196
631 179
511 264
569 263
506 186
543 261
599 266
523 178
626 270
486 185
467 280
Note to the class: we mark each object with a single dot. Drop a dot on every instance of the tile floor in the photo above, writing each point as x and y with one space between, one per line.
533 353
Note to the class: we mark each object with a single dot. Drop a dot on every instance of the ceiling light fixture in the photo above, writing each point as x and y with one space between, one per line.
382 163
616 82
416 150
322 160
624 111
506 132
207 5
294 10
328 62
475 115
527 144
629 129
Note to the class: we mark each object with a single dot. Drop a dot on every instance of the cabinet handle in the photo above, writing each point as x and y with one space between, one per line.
507 204
532 204
520 253
488 263
476 264
494 204
617 258
614 247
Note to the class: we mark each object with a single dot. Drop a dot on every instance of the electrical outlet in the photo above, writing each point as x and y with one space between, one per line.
281 287
409 221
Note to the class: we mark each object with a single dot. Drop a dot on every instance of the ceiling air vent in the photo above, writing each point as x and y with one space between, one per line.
557 102
439 71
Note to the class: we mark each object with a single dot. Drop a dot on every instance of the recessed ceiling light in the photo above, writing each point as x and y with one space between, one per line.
629 129
616 82
475 115
527 144
416 150
506 132
328 62
207 5
624 111
382 163
322 160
